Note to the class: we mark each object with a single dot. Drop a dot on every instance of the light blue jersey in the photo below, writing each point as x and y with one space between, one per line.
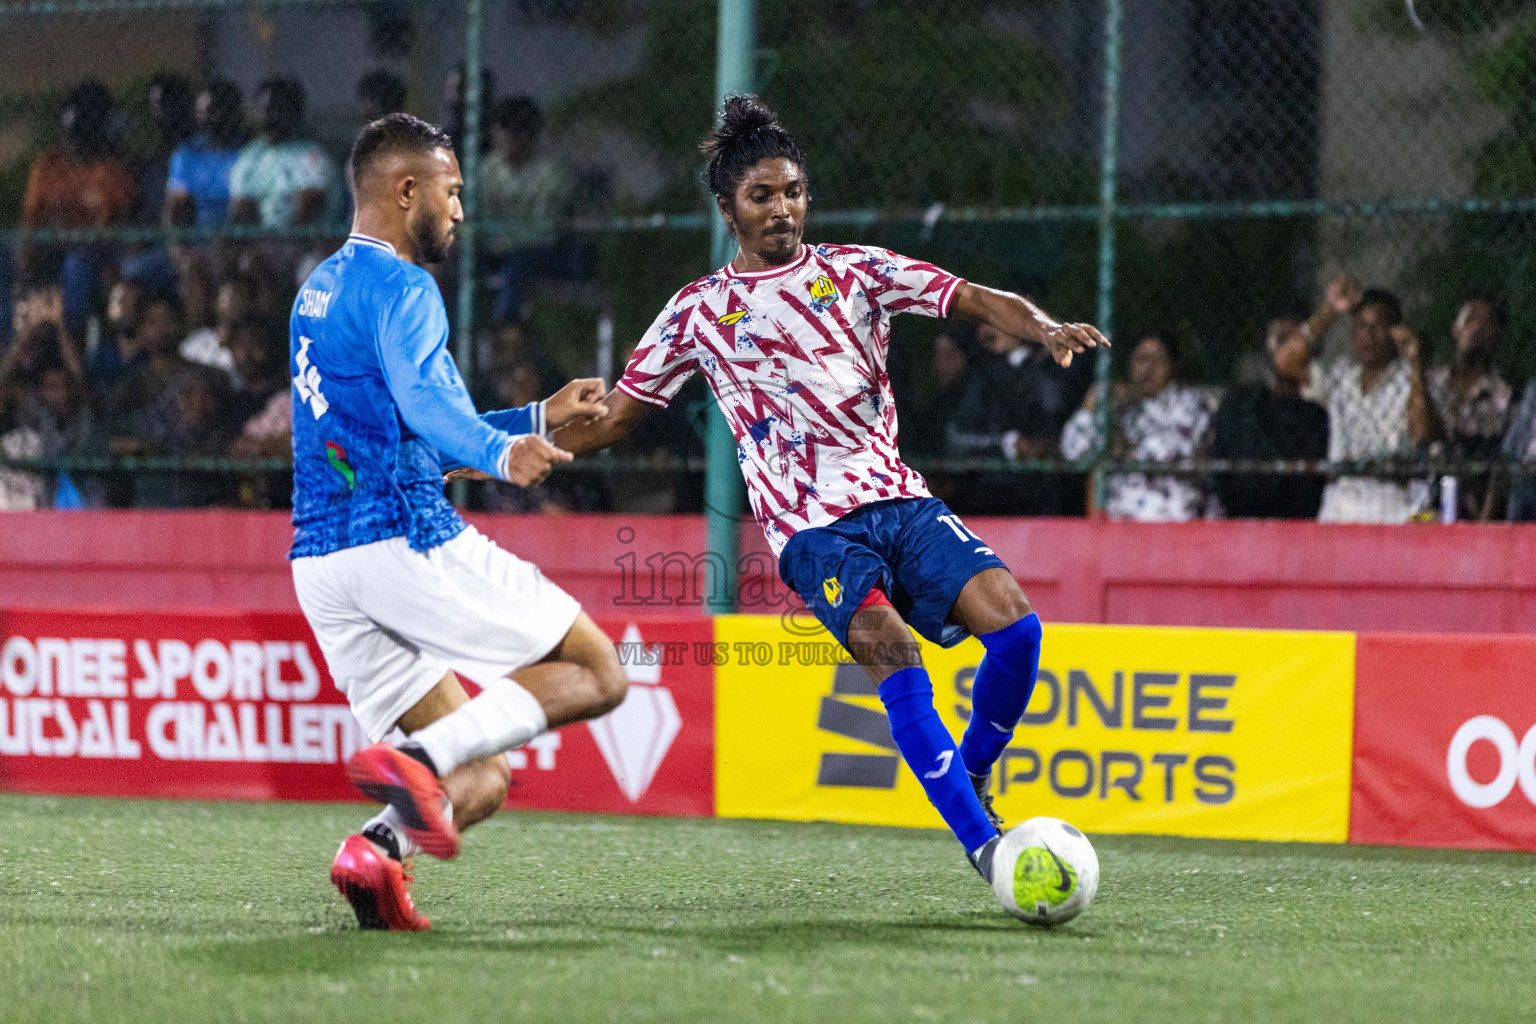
379 409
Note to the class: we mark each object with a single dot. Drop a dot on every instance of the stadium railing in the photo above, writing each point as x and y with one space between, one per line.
1194 169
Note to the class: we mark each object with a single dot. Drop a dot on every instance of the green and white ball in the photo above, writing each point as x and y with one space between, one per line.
1045 871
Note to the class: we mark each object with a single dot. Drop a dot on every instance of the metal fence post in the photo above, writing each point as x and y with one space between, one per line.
464 337
722 476
1108 209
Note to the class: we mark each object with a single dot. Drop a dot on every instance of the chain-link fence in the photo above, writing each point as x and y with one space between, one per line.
1191 170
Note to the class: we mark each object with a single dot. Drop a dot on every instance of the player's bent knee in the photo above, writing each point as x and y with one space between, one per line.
611 686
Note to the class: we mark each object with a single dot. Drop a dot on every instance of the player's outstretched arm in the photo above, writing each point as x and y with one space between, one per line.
1016 316
580 401
586 434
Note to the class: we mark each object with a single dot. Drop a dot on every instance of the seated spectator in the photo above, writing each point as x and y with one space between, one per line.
1378 408
210 346
455 98
140 392
1273 421
39 339
189 419
1471 398
121 347
260 369
198 174
1158 420
59 410
20 490
1342 295
79 182
525 189
171 115
279 179
1520 445
924 431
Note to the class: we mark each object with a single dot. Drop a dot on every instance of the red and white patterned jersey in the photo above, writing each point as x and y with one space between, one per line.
796 357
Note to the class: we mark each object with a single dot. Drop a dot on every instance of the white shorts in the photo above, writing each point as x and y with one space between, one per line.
392 621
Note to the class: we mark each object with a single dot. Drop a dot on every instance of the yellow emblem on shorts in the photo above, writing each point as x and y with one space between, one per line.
833 589
731 319
823 291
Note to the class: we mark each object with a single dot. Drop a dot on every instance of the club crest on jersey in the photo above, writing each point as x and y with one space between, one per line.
731 319
823 293
336 455
833 589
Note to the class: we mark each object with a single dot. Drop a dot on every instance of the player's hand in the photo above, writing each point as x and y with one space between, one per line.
580 400
1063 340
1408 344
1343 293
530 459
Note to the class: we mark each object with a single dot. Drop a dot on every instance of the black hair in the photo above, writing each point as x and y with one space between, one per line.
1169 339
1389 303
226 98
748 132
1496 306
517 114
160 297
395 133
383 89
285 94
91 99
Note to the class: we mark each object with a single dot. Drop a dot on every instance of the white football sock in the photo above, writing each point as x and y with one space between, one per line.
390 818
504 717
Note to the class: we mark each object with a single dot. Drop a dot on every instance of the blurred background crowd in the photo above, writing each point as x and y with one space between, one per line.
161 225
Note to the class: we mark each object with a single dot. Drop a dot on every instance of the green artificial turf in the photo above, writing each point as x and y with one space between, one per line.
165 912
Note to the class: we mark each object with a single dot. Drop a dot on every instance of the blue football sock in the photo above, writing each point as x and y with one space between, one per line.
929 750
1000 692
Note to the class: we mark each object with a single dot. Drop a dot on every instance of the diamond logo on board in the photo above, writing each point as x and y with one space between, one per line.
635 736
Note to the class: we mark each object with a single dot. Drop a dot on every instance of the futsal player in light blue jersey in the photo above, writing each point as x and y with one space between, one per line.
402 594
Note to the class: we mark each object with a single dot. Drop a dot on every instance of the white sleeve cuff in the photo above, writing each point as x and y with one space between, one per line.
540 423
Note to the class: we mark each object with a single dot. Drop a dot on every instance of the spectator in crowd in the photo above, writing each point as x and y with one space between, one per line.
39 338
1159 420
1379 407
1471 399
198 174
139 391
210 346
454 99
378 93
1520 445
1273 421
259 371
120 348
171 115
279 179
188 420
1015 406
925 427
20 490
524 188
80 182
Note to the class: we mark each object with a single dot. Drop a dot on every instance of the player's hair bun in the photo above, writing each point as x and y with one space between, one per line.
748 131
739 118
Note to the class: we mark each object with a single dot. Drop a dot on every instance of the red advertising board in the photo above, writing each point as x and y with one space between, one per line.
239 705
1445 741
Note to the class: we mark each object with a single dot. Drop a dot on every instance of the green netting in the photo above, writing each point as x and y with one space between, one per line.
1261 149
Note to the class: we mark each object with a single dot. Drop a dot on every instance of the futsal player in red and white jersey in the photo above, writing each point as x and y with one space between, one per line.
793 340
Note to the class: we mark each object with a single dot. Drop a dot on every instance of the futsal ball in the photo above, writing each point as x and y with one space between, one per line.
1045 871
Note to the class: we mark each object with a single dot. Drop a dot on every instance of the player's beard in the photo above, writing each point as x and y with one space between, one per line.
432 242
781 247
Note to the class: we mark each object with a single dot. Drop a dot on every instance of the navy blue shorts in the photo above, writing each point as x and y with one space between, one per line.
915 549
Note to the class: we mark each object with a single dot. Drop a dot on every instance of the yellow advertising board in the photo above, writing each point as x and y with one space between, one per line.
1238 734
